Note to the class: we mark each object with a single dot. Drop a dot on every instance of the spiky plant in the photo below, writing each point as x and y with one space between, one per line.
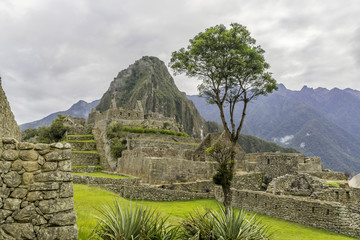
215 224
129 222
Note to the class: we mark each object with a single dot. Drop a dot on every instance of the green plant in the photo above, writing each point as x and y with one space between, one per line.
217 224
132 222
117 146
29 133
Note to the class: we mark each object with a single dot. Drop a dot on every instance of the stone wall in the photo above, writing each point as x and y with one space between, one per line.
8 125
333 216
248 180
163 170
36 191
130 188
85 159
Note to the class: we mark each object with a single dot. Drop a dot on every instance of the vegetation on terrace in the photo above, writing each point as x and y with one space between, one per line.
87 200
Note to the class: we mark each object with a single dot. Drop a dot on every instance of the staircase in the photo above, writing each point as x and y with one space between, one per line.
85 157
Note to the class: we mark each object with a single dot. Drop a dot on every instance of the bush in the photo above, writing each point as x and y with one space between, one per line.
215 224
132 222
29 133
117 146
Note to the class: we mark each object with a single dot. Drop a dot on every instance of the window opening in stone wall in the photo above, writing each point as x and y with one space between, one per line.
256 195
268 161
348 195
337 196
327 211
265 204
313 210
128 114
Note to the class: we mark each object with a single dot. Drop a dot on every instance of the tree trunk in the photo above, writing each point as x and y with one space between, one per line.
227 198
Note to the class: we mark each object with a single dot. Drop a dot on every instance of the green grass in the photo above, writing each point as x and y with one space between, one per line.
155 140
85 166
75 141
101 175
87 135
87 199
91 151
334 183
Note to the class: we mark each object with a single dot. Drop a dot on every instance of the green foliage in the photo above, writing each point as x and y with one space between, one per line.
132 222
216 224
102 175
117 146
29 133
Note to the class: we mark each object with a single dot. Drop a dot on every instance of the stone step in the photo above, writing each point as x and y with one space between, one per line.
79 137
86 145
85 158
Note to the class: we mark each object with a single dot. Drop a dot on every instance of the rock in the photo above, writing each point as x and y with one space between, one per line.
31 166
355 181
56 205
53 177
51 194
65 166
4 166
19 230
66 190
41 146
4 192
17 165
19 193
12 179
58 155
10 155
44 186
25 214
4 214
29 155
57 145
71 233
28 178
63 218
49 166
25 146
35 196
9 140
41 160
12 204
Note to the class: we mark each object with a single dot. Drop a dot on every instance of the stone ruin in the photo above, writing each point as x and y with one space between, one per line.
36 190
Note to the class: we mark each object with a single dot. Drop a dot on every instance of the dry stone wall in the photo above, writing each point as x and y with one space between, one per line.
36 191
333 216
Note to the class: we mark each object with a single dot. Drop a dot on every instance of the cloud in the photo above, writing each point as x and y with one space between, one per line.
302 145
54 53
284 140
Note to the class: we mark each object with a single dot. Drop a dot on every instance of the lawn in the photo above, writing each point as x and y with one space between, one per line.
87 199
101 175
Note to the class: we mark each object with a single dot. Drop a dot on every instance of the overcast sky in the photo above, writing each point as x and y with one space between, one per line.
56 52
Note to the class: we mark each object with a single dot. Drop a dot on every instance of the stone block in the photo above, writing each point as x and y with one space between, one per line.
63 218
65 166
49 166
41 146
71 233
7 140
41 161
31 166
25 214
66 190
19 193
10 155
58 155
44 186
4 192
17 165
28 178
4 166
53 177
12 204
29 155
56 205
25 146
35 196
12 179
57 145
19 230
51 194
4 214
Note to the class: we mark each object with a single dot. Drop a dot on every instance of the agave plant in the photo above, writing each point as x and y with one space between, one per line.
216 224
129 222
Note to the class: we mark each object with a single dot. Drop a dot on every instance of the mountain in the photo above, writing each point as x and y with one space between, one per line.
149 81
316 122
8 125
80 109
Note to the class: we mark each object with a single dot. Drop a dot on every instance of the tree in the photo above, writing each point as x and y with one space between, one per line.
232 70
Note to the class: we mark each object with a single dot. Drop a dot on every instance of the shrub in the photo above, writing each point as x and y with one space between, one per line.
132 222
215 224
117 146
29 133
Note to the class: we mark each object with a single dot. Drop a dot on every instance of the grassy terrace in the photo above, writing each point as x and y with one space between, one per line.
88 135
91 151
101 175
155 140
75 141
88 199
